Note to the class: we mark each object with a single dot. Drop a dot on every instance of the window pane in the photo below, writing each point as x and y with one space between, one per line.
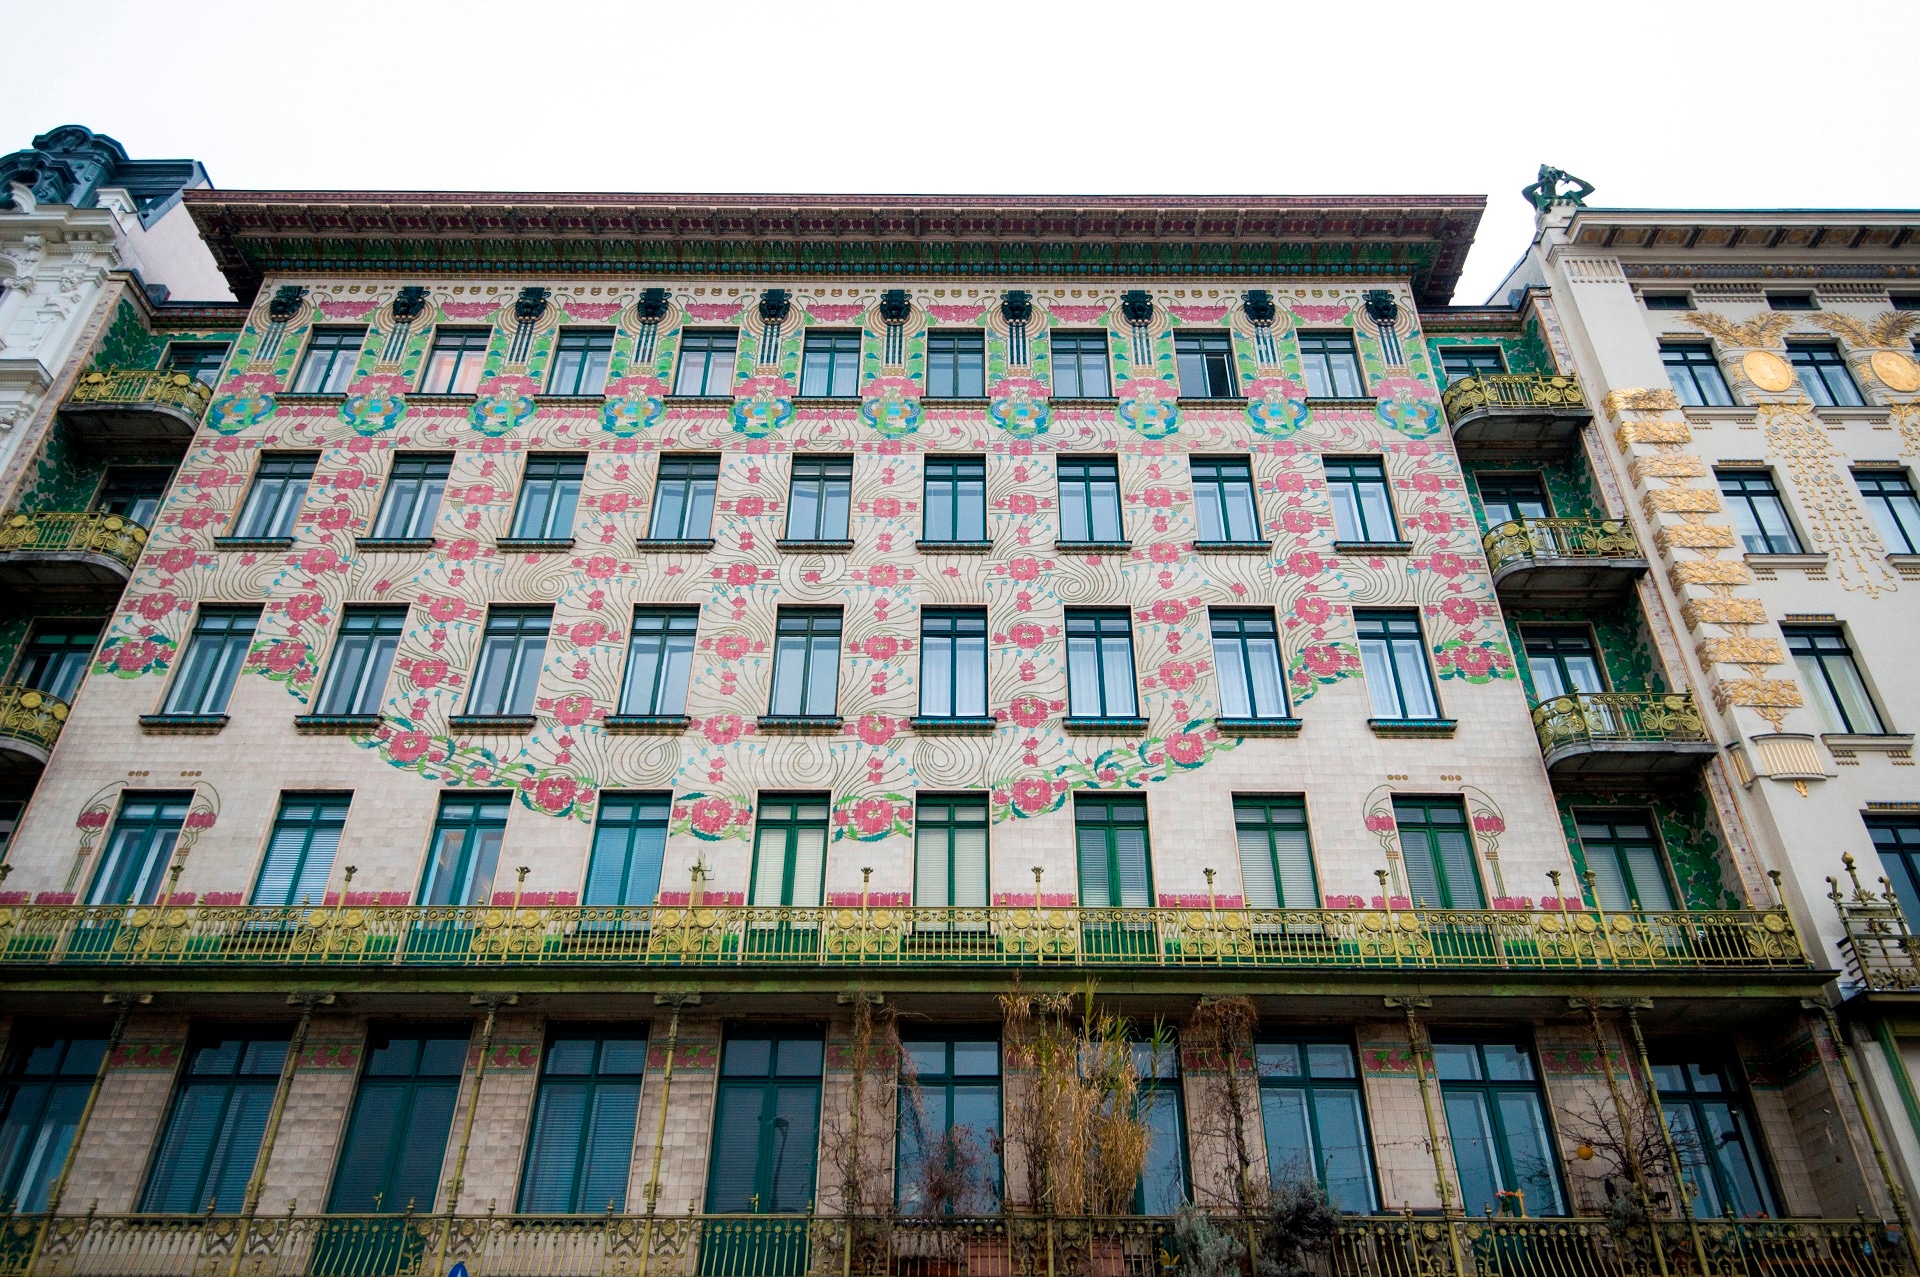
1470 1130
1530 1150
1345 1167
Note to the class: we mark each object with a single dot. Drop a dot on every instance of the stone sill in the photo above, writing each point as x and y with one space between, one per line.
826 401
646 724
697 401
492 724
954 547
1105 726
1258 726
786 546
1083 401
955 401
533 545
953 726
801 724
335 724
1093 547
1367 404
253 543
1373 547
1231 547
1804 562
299 399
1869 742
182 724
1414 727
393 543
1212 401
673 545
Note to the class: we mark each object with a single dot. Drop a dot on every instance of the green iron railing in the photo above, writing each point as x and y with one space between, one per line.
1602 717
1510 390
142 386
1546 540
30 715
73 532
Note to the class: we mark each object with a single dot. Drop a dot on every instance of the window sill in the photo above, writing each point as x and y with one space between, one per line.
1084 401
956 401
1805 562
1093 547
593 400
953 726
393 543
1212 401
698 401
954 547
674 545
533 545
801 724
826 401
253 543
1373 547
307 398
812 547
182 724
1416 727
439 399
1104 726
1231 547
335 724
646 724
1363 404
1258 726
492 724
1871 742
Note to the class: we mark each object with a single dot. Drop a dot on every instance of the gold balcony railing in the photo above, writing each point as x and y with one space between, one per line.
841 937
142 386
1545 540
30 716
1510 390
1603 717
73 532
1881 952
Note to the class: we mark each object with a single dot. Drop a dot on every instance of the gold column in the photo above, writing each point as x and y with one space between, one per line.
1895 1193
1418 1047
258 1180
1629 1139
493 1002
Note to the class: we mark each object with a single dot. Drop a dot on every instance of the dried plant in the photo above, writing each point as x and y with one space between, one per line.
1593 1123
1222 1033
854 1144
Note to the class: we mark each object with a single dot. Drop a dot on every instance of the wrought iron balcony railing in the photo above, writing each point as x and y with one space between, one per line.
1599 718
1542 540
1881 952
733 936
30 719
1524 390
90 532
142 386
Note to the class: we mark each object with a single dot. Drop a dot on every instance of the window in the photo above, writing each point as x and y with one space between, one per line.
821 493
1110 835
1832 678
1507 497
830 367
200 362
1100 665
956 499
766 1133
1276 858
549 495
1791 301
1331 365
1667 301
1471 361
328 364
1080 366
1246 658
790 850
412 500
953 664
1897 839
1695 374
511 650
950 853
1163 1186
1758 512
1090 500
213 1132
1205 361
56 658
659 661
133 868
1315 1119
134 495
362 659
956 364
215 651
806 663
1498 1127
48 1080
1394 658
707 362
1438 853
1713 1132
1362 507
683 498
279 490
300 851
1561 660
459 356
465 849
580 363
949 1160
1904 301
1623 853
629 843
402 1115
580 1150
1223 497
1823 374
1895 507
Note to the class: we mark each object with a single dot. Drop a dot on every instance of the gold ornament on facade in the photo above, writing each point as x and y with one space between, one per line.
1710 572
1770 698
1761 331
1887 330
1897 372
1696 535
1681 501
1834 520
1759 652
1545 539
1640 399
1723 611
1652 432
1767 371
1666 465
1617 716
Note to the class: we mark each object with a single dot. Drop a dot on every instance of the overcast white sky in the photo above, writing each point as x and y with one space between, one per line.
1673 103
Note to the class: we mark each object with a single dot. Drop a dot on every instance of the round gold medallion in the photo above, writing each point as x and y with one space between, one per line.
1897 372
1767 371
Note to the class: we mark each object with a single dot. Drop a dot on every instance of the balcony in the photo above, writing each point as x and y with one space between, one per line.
68 548
1882 954
1622 735
1556 562
1522 414
30 722
135 405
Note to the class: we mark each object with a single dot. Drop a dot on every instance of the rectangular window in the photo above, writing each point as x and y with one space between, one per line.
766 1138
1791 301
134 494
1695 374
1897 840
1498 1127
213 1131
1090 500
279 490
396 1140
820 496
659 661
830 367
300 851
1758 512
133 868
1667 301
580 1149
806 663
1507 497
953 663
1437 851
200 362
950 852
1100 664
549 496
949 1159
215 651
707 362
1832 678
790 851
683 498
1394 658
1714 1134
1315 1120
1276 856
1246 658
1895 507
1562 660
1362 504
1471 361
1205 362
412 499
465 850
328 365
956 499
362 659
512 648
1823 374
57 657
1080 366
629 844
1623 852
1110 837
1160 1104
956 364
48 1080
454 366
1331 365
1223 498
1904 301
580 362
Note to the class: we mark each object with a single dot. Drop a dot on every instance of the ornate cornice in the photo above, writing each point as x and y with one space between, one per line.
1842 235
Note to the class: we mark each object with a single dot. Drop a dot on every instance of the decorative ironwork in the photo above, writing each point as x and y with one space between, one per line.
775 305
1016 306
1510 390
31 715
409 303
1539 540
1600 717
1258 305
142 386
285 303
1881 952
73 532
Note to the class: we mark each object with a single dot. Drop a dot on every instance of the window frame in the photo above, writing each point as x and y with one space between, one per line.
383 631
414 1083
952 638
515 700
194 367
1470 353
1162 1084
1209 352
1214 493
1616 861
62 667
1748 497
1686 363
1833 705
1503 481
122 485
950 1083
589 376
963 379
676 623
841 349
1103 651
328 817
638 815
1692 1100
808 624
1388 618
1489 1088
596 1082
276 494
1110 821
222 1158
1561 641
151 850
215 684
963 477
790 827
779 1252
1262 807
1094 474
56 1096
1828 363
1894 529
1077 345
1444 886
562 476
466 355
474 869
1327 371
828 477
1356 487
1310 1085
416 486
694 486
957 812
703 342
336 372
1240 638
1899 853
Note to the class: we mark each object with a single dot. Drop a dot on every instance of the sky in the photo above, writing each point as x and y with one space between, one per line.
1681 103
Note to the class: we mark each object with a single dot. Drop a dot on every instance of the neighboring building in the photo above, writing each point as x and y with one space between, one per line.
622 689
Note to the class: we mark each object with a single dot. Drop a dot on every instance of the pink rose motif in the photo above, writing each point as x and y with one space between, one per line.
1474 662
349 479
711 815
723 729
871 816
1186 748
1379 823
573 709
156 606
408 747
887 507
1027 711
739 574
202 819
1447 565
883 576
588 633
1487 823
1313 609
197 518
320 560
555 793
750 507
1323 661
1158 498
465 548
1178 676
1023 503
883 647
613 503
1025 568
731 647
446 608
333 518
601 566
1460 611
1169 611
303 607
429 673
1297 521
1032 794
1305 563
1025 635
284 656
874 729
175 561
93 819
134 656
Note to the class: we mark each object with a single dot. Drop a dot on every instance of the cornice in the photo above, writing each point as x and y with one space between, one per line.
1750 234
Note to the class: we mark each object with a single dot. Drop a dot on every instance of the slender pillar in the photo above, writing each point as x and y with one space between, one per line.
1630 1141
493 1003
126 1002
258 1180
1895 1193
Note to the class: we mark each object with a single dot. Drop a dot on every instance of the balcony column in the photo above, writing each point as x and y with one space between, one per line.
126 1003
1680 1204
109 1166
1629 1137
493 1003
1422 1066
1895 1192
264 1154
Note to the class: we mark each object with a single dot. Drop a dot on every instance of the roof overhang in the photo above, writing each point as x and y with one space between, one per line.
1810 243
1424 238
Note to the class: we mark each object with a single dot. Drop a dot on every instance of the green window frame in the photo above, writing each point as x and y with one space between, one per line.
1895 505
411 502
1090 500
948 1131
956 499
629 847
659 661
1710 1117
133 866
50 1074
327 366
1497 1123
1897 841
1166 1179
512 648
956 363
1276 852
1436 846
830 366
1224 501
279 489
1823 374
55 659
361 661
1246 662
1695 374
1081 366
806 663
1393 656
708 358
1114 851
580 360
790 850
580 1148
134 493
549 496
952 846
1507 497
1331 365
215 1122
465 848
1622 850
766 1126
1314 1115
402 1114
953 663
1472 361
1100 682
456 362
1204 360
1562 660
683 498
1362 502
1758 511
819 498
201 361
1833 679
300 850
